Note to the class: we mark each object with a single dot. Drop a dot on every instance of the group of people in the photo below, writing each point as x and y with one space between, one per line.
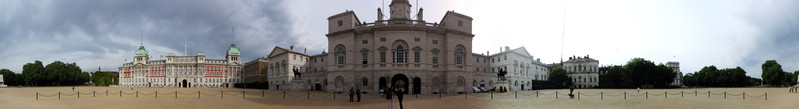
357 93
502 89
793 89
394 92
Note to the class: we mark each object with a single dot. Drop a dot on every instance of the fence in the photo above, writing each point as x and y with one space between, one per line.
308 94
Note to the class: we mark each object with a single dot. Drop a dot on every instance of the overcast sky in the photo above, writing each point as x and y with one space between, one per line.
696 33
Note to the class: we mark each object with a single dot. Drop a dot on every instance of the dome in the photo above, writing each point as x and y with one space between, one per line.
141 50
233 49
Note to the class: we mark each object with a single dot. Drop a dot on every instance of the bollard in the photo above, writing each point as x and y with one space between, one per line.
309 94
137 94
601 95
647 95
666 93
517 94
708 94
725 94
695 93
106 92
466 96
242 94
334 96
37 95
78 94
682 93
284 94
120 93
222 93
93 93
625 95
198 94
59 95
536 94
556 95
578 95
492 95
176 94
262 93
156 94
744 95
766 96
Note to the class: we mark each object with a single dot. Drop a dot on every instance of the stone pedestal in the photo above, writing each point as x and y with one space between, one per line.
502 83
2 84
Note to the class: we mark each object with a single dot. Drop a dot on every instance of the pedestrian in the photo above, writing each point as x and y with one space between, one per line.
350 93
358 93
389 95
571 92
399 94
73 88
639 89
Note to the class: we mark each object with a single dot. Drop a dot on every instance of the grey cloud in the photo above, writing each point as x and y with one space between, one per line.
779 35
102 33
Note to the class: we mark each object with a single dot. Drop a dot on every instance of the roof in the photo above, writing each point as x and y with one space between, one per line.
233 49
141 50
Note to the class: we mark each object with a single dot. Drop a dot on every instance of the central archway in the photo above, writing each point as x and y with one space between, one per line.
400 80
184 83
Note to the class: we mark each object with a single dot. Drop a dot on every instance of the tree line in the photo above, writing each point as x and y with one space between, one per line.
710 76
636 73
54 74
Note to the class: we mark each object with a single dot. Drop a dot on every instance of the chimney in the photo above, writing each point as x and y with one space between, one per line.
306 51
292 47
507 48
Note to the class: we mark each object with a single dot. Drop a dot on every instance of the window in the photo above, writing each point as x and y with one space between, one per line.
435 81
459 56
435 41
382 57
416 57
364 42
365 82
460 23
460 82
340 23
417 39
382 39
365 58
435 58
400 57
506 57
295 57
340 56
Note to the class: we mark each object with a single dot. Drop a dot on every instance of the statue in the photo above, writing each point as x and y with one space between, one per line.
297 73
502 74
2 84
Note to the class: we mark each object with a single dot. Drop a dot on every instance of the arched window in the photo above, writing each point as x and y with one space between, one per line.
340 56
435 81
459 56
400 55
365 82
460 81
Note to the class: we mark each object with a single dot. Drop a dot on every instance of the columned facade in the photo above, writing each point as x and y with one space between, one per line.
181 71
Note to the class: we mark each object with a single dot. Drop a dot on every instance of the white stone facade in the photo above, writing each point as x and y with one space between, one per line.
181 71
522 68
584 71
675 67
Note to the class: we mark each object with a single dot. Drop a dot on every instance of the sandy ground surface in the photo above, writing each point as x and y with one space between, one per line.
210 98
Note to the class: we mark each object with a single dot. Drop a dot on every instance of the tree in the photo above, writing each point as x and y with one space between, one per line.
772 73
559 77
11 79
33 73
615 76
712 77
640 71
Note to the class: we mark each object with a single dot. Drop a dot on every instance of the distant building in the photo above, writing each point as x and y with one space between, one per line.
181 71
675 67
584 71
256 70
521 67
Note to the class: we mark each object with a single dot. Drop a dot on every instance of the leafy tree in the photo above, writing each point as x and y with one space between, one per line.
11 79
558 76
640 71
773 73
615 76
713 77
102 78
33 73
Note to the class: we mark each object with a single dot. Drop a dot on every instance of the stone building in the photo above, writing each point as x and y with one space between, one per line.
522 68
411 53
584 71
675 67
181 71
255 70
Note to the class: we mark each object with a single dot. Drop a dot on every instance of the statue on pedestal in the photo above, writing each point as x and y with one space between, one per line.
297 74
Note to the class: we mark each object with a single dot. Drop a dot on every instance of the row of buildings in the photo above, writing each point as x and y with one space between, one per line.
411 53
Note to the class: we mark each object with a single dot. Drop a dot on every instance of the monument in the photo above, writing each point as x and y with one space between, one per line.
502 84
2 84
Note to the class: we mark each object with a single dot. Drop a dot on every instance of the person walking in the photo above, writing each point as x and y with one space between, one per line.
571 92
389 94
73 88
358 93
350 93
399 94
639 89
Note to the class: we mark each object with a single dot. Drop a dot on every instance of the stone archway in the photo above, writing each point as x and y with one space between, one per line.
417 85
382 83
184 83
400 80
